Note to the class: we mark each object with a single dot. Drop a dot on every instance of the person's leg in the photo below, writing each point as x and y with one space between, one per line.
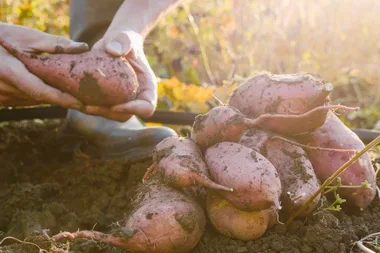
129 140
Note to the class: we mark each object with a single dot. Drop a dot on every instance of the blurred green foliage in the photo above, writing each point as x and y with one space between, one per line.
210 44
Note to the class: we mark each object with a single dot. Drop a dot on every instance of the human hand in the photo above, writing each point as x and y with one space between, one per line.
19 87
129 44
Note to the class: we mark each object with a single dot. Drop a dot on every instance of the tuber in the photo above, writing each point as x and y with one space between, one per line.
162 220
180 163
280 94
232 222
335 134
226 123
254 179
287 104
94 77
221 123
295 170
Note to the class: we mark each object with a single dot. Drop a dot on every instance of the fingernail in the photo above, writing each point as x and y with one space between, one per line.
79 44
79 47
115 48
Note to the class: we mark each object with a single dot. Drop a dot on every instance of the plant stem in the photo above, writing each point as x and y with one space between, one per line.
201 47
332 178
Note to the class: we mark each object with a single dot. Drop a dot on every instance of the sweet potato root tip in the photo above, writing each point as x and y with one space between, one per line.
210 184
149 171
291 124
94 77
93 235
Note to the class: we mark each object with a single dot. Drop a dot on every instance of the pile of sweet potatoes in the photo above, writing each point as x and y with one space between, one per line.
262 155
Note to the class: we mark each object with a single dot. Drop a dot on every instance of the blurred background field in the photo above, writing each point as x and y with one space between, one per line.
211 46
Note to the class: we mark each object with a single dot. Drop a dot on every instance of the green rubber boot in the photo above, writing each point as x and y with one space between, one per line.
104 139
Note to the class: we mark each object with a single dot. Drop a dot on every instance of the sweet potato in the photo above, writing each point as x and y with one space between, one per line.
280 94
254 179
226 123
196 192
335 134
287 104
162 220
221 123
180 163
290 125
295 170
93 77
232 222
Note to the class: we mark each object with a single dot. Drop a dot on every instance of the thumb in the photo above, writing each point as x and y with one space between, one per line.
119 45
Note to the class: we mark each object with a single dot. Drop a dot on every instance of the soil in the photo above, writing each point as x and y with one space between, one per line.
47 185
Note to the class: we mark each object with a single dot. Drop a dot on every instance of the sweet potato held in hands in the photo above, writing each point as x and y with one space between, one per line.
93 77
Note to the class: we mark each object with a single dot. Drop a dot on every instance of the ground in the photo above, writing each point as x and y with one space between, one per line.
45 188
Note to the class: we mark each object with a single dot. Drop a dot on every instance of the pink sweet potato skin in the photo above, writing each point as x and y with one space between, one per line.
335 134
162 220
293 166
171 221
180 163
93 77
291 126
254 179
280 94
237 224
221 123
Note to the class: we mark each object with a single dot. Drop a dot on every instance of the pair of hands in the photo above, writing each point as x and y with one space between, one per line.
19 87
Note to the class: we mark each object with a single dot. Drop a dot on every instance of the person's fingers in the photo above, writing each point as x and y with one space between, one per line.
147 84
57 45
15 101
137 107
119 44
9 90
32 40
106 113
15 73
148 88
